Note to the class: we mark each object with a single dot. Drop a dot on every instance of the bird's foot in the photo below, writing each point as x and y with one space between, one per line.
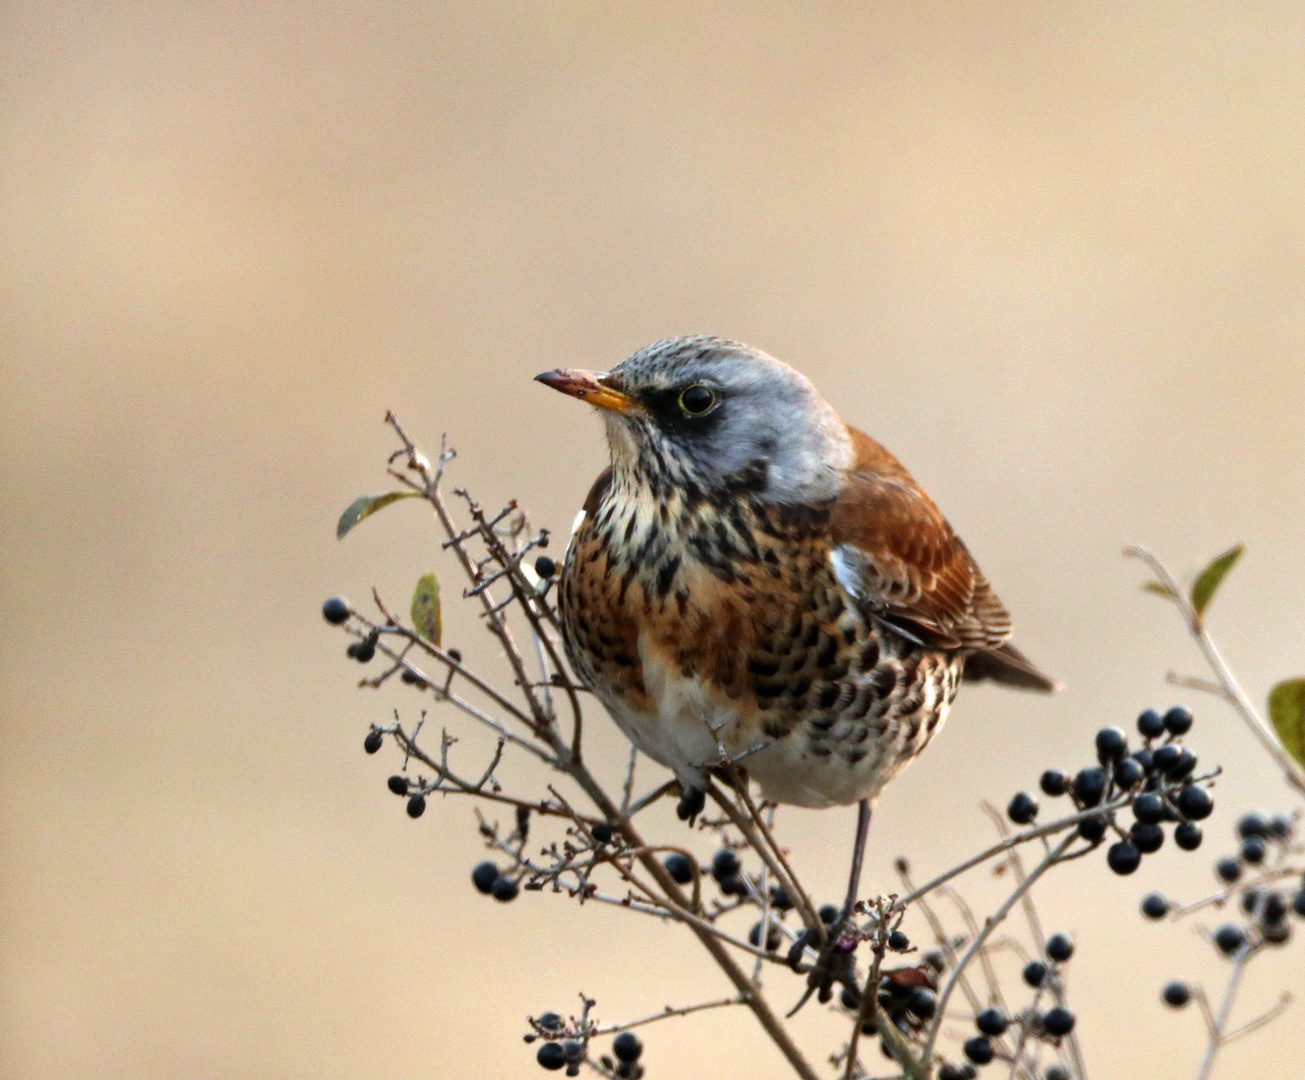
692 801
835 963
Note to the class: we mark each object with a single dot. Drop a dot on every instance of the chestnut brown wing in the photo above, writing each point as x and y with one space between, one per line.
906 563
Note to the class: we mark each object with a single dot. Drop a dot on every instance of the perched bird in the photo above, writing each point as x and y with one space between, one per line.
753 576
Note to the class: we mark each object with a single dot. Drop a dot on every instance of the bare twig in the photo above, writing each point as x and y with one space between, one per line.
990 924
1228 684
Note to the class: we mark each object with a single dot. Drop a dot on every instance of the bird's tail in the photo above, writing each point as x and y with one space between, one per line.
1008 666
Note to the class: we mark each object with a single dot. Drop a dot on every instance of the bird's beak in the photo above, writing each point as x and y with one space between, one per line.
595 387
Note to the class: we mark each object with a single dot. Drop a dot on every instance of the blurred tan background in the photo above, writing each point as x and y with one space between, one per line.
1052 255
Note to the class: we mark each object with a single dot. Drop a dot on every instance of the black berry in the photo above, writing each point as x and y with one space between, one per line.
1229 938
1194 802
850 997
1129 773
1123 857
772 937
1112 745
990 1021
1060 947
680 867
455 655
1252 824
413 679
1155 906
922 1002
627 1047
551 1055
1059 1021
1150 724
1184 766
484 876
504 889
364 651
779 899
1034 972
1298 903
1253 850
1178 720
1281 826
1176 994
1146 838
335 610
1054 782
373 742
1276 933
545 567
1228 869
1273 909
724 864
1090 785
829 914
550 1021
1166 757
1023 809
1145 758
574 1051
602 833
1250 900
957 1072
936 959
978 1049
1188 835
397 784
1092 829
898 942
1149 807
416 806
1056 1072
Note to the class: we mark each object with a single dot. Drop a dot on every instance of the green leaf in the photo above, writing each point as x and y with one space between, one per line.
1287 711
1157 588
1204 586
426 609
365 506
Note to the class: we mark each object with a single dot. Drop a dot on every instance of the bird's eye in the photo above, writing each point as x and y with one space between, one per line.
697 400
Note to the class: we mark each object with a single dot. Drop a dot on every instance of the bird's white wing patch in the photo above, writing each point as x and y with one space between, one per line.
849 567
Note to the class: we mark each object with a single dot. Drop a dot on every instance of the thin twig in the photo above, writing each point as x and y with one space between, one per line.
666 1013
990 924
1291 771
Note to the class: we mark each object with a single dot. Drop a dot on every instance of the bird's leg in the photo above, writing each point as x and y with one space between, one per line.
858 855
835 962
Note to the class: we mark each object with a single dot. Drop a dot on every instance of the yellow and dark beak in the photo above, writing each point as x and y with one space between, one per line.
592 386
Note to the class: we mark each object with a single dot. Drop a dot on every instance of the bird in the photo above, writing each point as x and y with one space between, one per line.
753 579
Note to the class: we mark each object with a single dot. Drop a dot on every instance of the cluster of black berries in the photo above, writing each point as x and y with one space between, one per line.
1158 777
907 996
1264 842
399 786
493 882
992 1023
564 1053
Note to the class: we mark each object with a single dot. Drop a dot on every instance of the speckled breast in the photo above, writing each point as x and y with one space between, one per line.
709 625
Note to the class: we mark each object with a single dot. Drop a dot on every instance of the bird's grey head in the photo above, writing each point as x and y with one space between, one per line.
718 414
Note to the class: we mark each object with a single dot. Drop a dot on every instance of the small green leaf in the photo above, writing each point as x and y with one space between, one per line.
1287 711
365 506
1208 580
426 609
1157 588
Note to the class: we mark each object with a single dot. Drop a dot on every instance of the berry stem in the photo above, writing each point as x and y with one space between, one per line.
990 924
